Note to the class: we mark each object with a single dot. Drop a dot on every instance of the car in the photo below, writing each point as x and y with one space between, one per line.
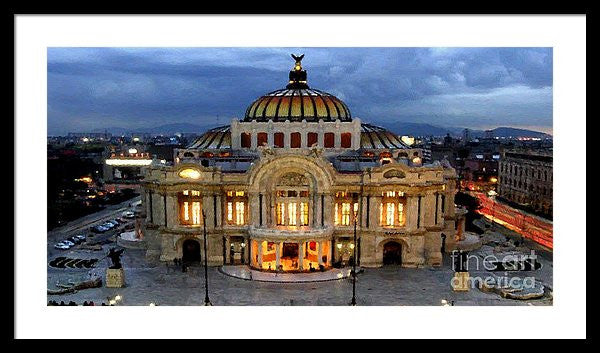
68 242
61 246
74 239
99 229
80 237
128 214
108 225
113 222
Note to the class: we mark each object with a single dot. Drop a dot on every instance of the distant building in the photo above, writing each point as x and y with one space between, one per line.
126 164
525 177
104 136
480 172
466 135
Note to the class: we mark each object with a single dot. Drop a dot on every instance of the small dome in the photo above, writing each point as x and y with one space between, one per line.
298 102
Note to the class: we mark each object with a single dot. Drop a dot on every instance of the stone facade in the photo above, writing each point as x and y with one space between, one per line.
286 192
429 209
525 177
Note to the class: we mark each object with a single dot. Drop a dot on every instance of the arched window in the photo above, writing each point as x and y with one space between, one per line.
346 140
246 140
329 140
295 140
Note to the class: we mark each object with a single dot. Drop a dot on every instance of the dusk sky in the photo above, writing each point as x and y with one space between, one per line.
136 88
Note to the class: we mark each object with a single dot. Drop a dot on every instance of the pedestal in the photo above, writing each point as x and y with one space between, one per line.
115 278
460 282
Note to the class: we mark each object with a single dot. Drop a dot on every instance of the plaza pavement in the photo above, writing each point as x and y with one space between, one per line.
165 285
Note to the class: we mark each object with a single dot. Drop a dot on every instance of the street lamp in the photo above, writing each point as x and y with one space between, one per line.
206 300
353 302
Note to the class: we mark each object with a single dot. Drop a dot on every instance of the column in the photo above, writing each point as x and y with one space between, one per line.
374 211
219 211
320 252
277 256
227 251
301 247
260 251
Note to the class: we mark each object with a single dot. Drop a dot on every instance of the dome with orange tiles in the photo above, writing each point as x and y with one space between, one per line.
298 102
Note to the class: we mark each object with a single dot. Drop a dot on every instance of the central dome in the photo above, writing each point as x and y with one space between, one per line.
298 102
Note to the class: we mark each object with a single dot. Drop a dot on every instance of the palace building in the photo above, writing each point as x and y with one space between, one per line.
283 187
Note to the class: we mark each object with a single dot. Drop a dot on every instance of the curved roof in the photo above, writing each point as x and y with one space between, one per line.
297 105
372 137
376 137
217 138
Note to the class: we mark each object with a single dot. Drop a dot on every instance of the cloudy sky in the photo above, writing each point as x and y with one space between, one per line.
479 88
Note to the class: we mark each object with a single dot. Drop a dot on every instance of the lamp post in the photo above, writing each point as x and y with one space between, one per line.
206 300
353 302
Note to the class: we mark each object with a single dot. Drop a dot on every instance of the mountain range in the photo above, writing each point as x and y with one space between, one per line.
400 128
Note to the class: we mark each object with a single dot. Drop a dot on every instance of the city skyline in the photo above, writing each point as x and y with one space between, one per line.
135 88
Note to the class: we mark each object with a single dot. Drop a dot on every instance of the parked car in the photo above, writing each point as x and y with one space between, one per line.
61 246
80 237
68 242
74 239
113 222
108 225
99 229
128 214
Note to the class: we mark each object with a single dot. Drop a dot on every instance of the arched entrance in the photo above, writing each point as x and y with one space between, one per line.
392 253
191 250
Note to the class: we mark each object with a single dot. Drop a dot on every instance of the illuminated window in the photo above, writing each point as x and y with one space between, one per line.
292 213
292 207
230 211
190 207
236 202
345 214
304 213
280 214
391 211
337 217
195 213
390 214
189 173
239 213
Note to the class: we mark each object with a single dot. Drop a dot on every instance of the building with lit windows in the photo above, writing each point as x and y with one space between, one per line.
282 188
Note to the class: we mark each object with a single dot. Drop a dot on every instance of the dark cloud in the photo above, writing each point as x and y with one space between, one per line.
90 88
